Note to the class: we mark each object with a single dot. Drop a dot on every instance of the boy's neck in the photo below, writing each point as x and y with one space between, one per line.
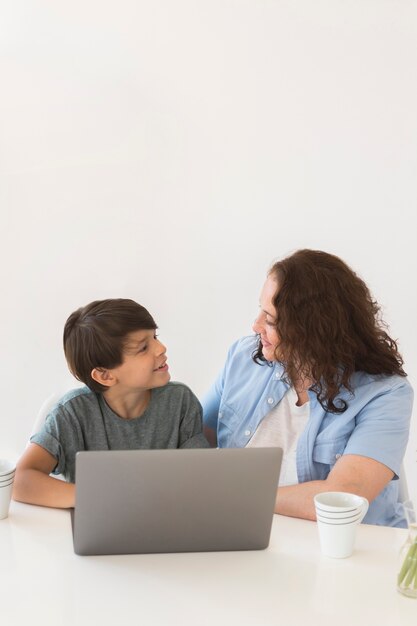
127 405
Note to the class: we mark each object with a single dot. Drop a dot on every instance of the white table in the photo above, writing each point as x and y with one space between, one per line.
42 581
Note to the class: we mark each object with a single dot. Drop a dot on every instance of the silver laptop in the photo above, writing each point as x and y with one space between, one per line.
192 500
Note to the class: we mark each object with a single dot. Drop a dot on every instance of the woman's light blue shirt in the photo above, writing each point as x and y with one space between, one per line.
375 424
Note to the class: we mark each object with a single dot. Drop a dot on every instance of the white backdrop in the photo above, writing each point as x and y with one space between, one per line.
170 151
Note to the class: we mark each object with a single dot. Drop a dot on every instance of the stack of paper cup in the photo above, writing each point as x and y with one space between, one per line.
7 472
338 513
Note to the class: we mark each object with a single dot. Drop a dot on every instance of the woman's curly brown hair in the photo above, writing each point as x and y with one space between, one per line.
329 326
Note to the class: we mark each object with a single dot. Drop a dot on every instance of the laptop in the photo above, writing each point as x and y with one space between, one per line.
189 500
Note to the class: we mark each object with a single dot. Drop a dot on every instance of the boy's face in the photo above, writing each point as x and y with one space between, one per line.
144 363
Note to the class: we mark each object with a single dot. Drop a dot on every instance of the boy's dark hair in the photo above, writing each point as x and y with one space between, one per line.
95 336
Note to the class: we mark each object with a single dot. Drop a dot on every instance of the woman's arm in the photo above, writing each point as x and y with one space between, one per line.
373 453
352 473
34 485
211 436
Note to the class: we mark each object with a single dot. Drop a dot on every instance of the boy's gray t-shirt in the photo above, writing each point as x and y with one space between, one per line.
82 420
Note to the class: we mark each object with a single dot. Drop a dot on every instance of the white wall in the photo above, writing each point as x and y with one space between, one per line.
169 151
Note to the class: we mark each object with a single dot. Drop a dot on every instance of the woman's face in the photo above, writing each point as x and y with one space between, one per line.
264 325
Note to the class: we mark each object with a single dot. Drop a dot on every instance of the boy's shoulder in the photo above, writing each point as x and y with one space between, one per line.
80 396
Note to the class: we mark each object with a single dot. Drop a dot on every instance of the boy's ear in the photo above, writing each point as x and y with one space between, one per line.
103 376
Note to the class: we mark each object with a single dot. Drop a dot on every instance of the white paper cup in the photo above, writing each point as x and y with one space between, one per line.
6 477
4 483
5 497
338 514
337 540
6 467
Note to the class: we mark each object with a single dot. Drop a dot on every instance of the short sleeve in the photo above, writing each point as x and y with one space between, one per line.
382 427
191 427
60 437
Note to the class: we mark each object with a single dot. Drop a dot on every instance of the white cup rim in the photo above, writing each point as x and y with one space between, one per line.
355 501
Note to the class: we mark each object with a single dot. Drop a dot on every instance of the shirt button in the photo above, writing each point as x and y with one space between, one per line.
247 433
220 415
337 456
270 400
277 375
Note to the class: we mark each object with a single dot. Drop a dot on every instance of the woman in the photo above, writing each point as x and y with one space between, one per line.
323 380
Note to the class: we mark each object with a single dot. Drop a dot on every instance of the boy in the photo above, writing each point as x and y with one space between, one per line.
128 402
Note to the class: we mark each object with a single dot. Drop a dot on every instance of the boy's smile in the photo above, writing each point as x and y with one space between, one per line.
163 367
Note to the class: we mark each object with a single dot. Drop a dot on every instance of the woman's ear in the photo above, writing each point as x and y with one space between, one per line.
103 376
